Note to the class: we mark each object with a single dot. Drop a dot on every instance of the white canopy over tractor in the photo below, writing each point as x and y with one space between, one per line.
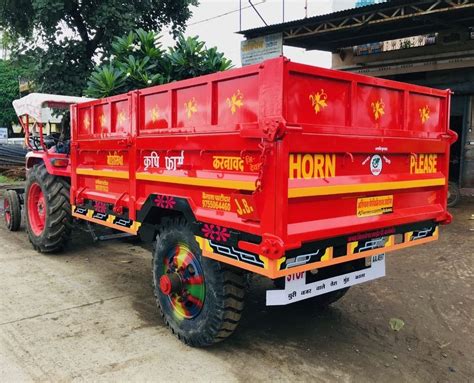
39 105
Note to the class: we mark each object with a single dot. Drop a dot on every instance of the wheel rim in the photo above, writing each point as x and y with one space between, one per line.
182 282
451 196
7 212
36 209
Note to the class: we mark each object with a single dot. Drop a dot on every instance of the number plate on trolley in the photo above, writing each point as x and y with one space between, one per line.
296 289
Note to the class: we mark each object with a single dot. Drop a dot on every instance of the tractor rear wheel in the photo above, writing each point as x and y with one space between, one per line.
454 194
12 210
47 210
201 300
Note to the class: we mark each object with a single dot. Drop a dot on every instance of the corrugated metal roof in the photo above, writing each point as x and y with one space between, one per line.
363 25
259 31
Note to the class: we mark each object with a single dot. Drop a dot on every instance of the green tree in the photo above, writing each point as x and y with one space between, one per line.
9 89
138 60
74 33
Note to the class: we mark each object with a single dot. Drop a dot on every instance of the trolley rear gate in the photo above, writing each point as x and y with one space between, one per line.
280 167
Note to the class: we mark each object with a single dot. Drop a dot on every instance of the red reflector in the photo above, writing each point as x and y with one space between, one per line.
60 162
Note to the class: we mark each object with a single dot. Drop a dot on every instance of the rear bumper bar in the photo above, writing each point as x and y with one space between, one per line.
319 254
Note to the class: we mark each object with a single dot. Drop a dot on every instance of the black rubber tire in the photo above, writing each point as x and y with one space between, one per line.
57 230
329 298
15 210
224 295
454 194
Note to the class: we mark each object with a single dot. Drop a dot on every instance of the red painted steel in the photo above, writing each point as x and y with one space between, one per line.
283 151
36 209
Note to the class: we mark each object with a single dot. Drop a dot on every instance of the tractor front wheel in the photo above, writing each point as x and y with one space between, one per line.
47 210
12 210
201 300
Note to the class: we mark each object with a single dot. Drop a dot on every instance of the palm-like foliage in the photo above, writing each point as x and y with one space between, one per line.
107 80
138 61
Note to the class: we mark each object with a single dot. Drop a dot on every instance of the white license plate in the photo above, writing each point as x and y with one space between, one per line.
296 289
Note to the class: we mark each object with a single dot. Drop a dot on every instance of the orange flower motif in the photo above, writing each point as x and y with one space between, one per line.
102 120
319 101
121 118
424 113
155 113
191 107
378 108
236 101
87 122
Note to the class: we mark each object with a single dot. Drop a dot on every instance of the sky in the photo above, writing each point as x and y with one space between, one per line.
216 29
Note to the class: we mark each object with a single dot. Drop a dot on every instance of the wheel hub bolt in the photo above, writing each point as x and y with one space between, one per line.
170 283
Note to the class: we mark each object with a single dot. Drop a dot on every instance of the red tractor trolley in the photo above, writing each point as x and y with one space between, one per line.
304 175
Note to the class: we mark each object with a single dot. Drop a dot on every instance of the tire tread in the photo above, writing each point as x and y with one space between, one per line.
58 227
225 318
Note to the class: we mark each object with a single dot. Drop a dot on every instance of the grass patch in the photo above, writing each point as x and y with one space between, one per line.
5 179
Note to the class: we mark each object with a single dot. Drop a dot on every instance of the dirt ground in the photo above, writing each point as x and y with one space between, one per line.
89 315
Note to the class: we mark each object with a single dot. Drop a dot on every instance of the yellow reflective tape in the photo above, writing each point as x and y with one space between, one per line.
184 180
327 254
102 173
362 188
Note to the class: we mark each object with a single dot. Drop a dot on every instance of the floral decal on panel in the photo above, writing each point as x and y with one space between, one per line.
319 101
424 113
87 122
155 113
191 107
378 108
236 101
215 233
100 207
102 120
121 118
165 201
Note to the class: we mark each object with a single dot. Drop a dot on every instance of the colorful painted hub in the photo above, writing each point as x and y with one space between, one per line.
6 211
36 209
182 282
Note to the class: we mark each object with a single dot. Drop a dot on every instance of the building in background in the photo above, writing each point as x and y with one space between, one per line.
363 3
423 42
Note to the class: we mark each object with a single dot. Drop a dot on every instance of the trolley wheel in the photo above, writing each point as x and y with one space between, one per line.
12 210
47 210
454 194
329 298
200 300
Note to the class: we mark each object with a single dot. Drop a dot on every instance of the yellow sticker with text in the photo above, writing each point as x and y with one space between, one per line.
370 206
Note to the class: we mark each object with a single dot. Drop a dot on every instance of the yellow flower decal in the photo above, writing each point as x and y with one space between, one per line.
155 114
319 101
121 118
87 122
378 109
424 113
236 101
102 120
191 107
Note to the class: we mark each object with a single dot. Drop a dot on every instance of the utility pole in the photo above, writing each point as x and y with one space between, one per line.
240 15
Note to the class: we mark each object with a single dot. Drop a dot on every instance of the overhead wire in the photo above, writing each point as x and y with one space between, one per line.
225 14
